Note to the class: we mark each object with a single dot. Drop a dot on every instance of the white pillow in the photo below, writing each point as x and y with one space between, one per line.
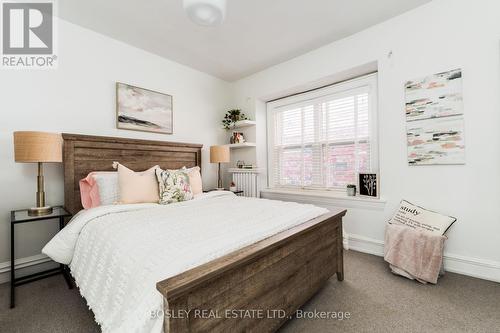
420 218
107 185
195 180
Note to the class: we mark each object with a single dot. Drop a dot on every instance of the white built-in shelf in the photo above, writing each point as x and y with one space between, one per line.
242 170
243 123
241 145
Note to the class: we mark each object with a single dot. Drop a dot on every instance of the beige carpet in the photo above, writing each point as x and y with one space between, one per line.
376 300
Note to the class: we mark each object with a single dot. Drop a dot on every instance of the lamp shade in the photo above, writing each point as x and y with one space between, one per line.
219 154
37 147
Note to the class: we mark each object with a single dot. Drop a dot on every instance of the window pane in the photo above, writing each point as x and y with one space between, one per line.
308 166
309 130
296 126
291 167
323 140
342 163
363 120
364 159
340 119
291 127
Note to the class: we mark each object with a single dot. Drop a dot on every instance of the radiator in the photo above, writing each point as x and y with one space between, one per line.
246 181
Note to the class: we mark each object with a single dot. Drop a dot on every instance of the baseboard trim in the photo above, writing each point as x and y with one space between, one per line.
21 263
365 245
478 268
475 267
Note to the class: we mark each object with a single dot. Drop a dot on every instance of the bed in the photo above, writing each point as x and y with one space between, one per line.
252 283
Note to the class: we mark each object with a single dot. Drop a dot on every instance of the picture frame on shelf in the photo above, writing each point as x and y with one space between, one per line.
237 137
368 184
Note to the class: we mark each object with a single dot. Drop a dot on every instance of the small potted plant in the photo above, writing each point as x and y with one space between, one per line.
351 190
232 188
231 117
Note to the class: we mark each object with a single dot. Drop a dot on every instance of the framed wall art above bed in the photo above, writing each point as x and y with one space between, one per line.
142 109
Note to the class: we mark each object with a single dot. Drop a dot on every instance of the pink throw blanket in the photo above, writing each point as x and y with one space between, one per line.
413 253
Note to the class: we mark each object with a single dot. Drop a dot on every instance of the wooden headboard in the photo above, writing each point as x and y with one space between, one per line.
84 154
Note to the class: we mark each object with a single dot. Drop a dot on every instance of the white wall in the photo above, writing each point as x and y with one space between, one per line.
79 97
442 35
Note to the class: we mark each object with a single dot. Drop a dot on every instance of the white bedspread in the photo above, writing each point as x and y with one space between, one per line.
118 253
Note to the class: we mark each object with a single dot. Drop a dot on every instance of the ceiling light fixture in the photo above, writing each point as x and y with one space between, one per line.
206 12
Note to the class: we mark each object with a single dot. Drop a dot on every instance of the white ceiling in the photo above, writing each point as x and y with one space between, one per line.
256 34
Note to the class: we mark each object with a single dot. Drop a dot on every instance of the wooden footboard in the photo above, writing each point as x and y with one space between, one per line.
259 287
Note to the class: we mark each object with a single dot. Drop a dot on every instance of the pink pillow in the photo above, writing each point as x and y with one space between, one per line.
195 180
137 187
89 192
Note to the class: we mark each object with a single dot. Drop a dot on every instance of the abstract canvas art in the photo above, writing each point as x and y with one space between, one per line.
434 119
436 141
438 95
143 110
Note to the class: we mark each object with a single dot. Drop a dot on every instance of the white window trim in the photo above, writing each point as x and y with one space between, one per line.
324 198
370 80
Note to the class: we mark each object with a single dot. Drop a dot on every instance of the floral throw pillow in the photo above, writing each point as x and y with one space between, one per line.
174 186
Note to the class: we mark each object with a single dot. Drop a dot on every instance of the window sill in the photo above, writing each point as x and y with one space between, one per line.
324 198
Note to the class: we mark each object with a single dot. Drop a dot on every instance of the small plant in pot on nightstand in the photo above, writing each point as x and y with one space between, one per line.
351 190
231 117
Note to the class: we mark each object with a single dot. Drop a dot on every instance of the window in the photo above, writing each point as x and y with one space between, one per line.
322 138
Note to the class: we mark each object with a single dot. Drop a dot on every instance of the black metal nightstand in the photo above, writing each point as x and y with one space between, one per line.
238 193
21 216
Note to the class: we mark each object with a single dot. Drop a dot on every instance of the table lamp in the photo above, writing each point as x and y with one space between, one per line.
38 147
219 154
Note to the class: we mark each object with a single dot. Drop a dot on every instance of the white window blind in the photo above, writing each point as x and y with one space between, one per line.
321 139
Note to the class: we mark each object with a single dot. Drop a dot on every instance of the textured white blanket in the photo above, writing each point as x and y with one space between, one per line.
117 254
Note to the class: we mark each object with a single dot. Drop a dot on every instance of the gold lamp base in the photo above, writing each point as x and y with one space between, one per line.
40 211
